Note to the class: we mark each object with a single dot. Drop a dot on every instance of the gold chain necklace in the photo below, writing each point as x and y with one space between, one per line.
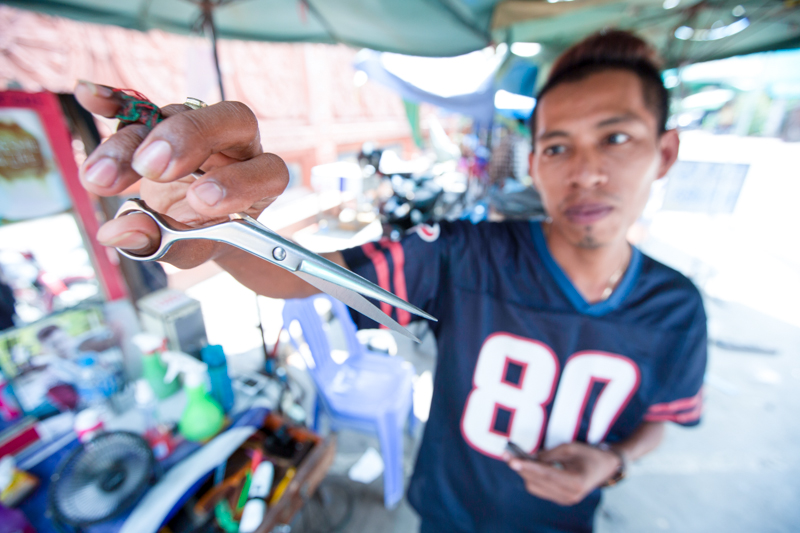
612 282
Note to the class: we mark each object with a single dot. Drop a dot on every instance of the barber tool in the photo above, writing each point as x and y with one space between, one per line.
221 490
282 486
247 234
256 506
519 453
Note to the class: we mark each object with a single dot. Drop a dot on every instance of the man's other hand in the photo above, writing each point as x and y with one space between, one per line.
566 474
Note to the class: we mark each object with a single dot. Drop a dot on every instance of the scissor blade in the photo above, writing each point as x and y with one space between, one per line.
356 301
322 268
333 273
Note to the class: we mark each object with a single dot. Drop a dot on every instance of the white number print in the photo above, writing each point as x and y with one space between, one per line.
619 378
515 379
501 408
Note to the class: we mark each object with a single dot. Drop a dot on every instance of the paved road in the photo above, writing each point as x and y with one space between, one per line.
739 471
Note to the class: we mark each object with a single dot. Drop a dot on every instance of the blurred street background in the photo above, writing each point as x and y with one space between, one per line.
389 116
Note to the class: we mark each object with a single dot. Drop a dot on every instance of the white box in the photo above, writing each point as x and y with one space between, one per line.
172 314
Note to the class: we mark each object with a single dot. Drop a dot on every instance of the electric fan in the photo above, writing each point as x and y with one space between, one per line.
100 479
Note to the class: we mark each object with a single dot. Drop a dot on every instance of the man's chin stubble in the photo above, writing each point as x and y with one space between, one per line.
588 241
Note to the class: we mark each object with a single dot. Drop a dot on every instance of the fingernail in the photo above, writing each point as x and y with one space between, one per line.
97 90
210 193
515 466
153 160
103 173
132 240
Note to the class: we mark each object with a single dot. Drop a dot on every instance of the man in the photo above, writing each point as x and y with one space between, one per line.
7 305
559 337
510 155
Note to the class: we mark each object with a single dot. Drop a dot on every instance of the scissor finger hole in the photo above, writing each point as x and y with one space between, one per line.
129 227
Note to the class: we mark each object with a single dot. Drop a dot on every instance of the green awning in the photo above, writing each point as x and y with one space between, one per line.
684 30
414 27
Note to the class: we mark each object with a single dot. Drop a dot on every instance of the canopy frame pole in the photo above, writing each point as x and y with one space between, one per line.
207 7
322 20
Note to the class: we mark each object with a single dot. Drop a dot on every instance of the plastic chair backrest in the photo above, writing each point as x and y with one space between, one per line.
304 311
342 313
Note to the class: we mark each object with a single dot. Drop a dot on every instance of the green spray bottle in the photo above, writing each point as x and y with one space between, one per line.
202 418
153 369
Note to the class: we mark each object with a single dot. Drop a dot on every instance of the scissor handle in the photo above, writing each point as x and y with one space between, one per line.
242 232
169 235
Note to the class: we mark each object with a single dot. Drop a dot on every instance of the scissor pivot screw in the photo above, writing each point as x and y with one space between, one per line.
279 253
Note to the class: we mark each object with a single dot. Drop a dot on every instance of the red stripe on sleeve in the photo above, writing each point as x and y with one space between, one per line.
680 418
399 260
382 272
677 405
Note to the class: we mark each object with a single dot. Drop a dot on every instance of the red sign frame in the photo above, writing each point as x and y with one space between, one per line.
47 106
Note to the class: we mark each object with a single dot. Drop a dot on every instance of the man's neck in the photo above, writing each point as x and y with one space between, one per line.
592 270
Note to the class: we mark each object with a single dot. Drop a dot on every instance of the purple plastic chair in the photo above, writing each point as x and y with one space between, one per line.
367 392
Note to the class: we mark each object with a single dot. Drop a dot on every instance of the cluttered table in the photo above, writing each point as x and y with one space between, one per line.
178 478
116 475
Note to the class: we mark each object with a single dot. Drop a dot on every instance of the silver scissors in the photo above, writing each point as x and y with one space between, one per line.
246 233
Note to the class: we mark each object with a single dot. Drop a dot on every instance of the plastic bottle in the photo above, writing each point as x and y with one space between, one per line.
202 418
94 383
88 423
157 435
221 388
256 506
153 369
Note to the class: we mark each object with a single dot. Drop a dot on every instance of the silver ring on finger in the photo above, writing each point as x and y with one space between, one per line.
194 103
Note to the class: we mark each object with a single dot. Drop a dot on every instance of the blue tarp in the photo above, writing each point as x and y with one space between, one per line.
479 105
518 76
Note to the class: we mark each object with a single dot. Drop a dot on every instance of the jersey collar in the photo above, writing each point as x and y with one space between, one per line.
613 302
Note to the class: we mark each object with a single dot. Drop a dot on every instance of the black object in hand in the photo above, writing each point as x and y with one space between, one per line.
519 453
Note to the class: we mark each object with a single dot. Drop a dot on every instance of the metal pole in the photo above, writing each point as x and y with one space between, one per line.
208 15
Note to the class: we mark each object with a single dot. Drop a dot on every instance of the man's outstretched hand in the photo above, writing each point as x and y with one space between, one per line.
222 140
566 474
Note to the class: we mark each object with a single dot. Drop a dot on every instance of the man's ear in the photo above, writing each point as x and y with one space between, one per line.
668 145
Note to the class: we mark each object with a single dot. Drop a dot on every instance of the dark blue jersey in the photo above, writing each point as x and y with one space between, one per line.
523 357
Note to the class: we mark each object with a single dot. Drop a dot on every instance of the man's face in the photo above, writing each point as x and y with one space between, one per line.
597 153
